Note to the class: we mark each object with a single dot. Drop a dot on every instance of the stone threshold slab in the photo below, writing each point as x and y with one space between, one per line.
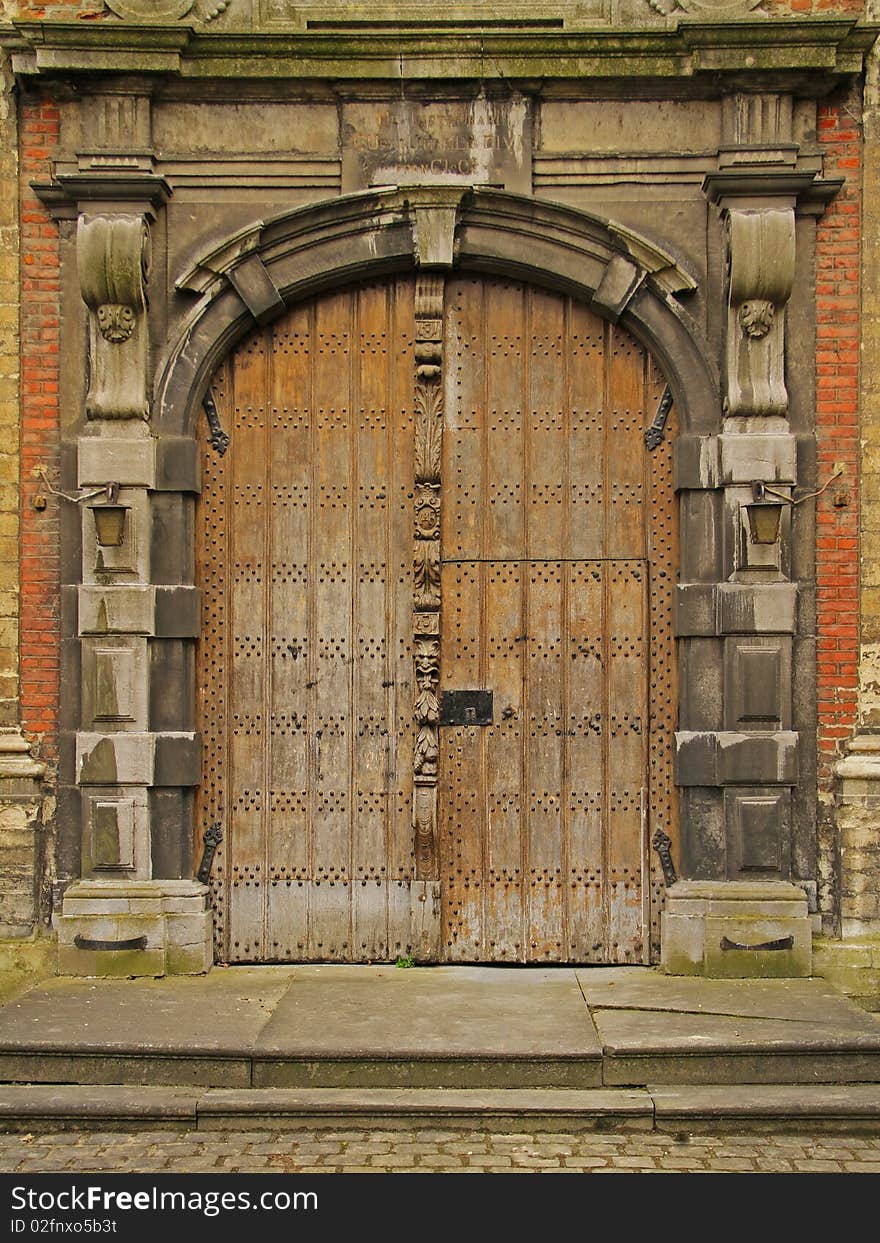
777 1107
22 1106
560 1108
428 1071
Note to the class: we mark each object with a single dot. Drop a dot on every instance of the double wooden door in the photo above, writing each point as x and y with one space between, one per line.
431 490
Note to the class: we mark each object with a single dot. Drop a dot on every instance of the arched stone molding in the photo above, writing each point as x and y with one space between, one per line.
254 274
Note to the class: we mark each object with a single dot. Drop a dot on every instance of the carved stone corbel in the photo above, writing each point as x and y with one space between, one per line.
761 254
113 264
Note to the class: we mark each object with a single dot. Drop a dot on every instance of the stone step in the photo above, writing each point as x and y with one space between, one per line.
635 1063
672 1108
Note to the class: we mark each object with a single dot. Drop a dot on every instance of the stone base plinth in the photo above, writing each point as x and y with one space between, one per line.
736 930
119 928
852 965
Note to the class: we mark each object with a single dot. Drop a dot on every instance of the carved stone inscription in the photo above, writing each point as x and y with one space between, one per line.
426 566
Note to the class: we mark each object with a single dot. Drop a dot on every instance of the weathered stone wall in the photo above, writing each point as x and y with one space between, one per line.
9 398
21 805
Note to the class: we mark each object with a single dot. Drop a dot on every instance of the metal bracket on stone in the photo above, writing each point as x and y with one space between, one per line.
662 843
212 839
654 433
218 439
133 943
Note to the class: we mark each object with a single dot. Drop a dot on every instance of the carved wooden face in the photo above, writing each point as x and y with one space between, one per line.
427 514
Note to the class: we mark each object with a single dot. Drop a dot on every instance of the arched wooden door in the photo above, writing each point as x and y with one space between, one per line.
557 557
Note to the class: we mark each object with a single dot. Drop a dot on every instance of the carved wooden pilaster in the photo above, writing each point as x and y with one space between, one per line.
428 404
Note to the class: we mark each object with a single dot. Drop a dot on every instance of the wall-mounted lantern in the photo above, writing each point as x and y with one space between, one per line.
764 516
110 519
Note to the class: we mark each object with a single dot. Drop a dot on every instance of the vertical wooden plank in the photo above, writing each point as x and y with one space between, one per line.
248 457
586 448
625 447
587 719
547 522
214 657
371 657
627 733
400 602
504 506
332 639
504 646
662 522
545 742
464 810
465 387
546 483
290 500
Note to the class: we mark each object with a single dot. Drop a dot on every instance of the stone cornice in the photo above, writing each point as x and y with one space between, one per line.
810 55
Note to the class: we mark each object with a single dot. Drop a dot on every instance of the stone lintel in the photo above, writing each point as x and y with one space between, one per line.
137 759
158 612
716 609
721 758
129 461
703 463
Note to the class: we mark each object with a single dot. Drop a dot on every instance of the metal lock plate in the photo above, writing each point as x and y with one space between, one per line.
466 708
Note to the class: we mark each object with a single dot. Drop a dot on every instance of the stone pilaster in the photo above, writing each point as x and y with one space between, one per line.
128 914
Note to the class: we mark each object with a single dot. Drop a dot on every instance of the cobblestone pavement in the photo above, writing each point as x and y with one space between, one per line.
438 1151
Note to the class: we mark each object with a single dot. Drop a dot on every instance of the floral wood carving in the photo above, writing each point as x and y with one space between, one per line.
428 453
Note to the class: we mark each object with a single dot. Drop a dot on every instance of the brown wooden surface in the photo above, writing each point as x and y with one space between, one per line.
558 549
306 662
547 531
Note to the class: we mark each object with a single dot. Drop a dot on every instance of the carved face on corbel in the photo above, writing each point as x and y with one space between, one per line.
115 321
756 317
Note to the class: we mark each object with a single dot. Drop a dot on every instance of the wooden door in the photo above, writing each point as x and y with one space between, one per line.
305 682
557 547
319 561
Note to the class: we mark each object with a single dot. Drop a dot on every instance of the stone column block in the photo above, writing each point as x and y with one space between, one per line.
135 928
736 930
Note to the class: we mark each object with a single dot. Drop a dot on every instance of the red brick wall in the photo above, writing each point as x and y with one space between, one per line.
40 622
837 379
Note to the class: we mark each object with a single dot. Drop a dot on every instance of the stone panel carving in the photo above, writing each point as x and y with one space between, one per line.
113 264
150 10
761 258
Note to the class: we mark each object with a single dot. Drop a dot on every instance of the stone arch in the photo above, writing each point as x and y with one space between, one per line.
256 273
